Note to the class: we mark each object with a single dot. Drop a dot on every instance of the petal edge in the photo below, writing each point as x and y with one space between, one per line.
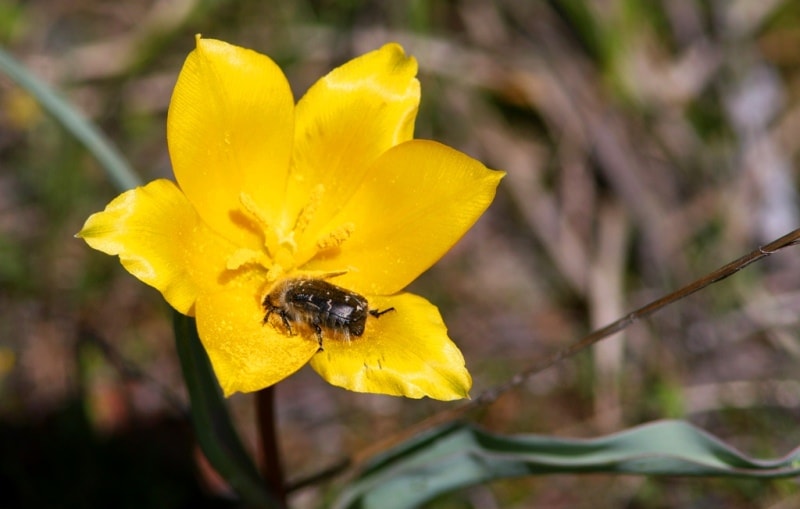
230 126
346 120
247 355
418 200
160 240
405 352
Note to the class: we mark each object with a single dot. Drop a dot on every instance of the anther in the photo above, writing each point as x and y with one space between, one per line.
242 257
254 210
306 214
336 237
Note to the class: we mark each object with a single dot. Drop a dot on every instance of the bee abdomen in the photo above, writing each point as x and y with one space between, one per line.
320 305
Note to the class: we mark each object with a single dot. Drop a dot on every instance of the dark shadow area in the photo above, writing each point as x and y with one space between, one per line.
60 461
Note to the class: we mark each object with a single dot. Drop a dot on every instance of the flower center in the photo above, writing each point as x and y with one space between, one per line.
285 249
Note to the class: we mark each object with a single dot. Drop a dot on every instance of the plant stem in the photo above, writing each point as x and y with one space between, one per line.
272 469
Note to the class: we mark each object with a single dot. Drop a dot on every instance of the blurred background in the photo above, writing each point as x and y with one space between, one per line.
646 144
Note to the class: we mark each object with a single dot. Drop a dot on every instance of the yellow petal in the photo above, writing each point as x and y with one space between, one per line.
160 239
405 352
246 354
418 200
346 120
230 129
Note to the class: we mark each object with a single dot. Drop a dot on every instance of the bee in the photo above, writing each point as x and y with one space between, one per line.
320 305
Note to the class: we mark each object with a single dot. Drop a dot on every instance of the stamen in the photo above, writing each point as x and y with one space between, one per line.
254 210
322 274
268 231
306 214
274 273
287 244
336 237
242 257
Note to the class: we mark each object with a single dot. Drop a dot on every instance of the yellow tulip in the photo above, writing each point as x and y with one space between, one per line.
333 188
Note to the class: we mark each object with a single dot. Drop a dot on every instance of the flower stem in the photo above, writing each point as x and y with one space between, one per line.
272 469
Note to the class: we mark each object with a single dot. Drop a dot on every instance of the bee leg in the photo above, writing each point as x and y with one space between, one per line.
267 304
270 309
318 331
285 320
377 314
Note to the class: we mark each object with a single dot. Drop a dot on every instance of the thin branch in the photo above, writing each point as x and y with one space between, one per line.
490 395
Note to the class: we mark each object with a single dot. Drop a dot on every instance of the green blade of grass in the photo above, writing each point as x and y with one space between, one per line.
84 131
460 455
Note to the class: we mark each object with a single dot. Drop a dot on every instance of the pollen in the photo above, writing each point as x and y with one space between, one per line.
336 237
306 214
242 257
255 212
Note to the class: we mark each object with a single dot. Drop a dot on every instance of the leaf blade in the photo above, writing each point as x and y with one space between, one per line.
215 433
106 153
457 456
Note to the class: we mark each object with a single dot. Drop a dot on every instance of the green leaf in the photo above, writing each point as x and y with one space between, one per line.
460 455
215 432
84 131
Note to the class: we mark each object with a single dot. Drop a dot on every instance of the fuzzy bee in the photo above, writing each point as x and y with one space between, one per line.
320 305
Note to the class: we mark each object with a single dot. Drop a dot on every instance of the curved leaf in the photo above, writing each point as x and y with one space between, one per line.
461 455
215 432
